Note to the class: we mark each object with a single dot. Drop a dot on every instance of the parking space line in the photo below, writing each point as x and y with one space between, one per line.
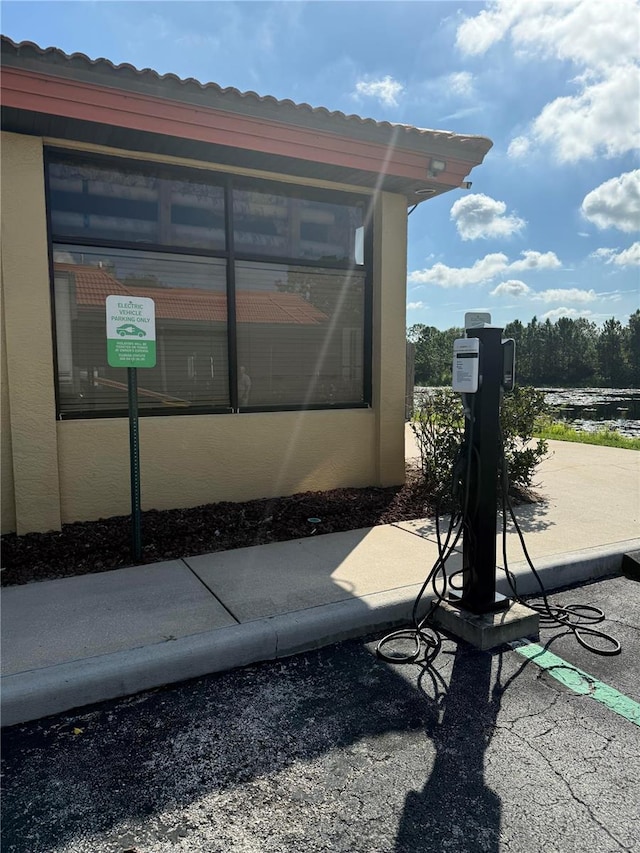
580 681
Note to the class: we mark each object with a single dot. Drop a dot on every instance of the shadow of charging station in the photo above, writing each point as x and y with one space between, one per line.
456 809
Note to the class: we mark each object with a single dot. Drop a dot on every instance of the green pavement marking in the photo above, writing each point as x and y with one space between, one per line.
581 682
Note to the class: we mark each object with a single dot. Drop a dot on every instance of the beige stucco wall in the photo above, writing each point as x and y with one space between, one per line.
191 460
82 466
7 502
389 336
28 335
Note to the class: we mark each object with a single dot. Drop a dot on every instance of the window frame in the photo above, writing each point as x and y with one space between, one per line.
227 182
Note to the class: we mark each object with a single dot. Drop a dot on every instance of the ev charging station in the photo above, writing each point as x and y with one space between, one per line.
482 365
483 368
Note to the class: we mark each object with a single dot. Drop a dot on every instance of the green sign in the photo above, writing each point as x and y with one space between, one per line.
131 332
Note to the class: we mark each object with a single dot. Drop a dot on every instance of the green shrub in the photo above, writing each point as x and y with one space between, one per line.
439 426
521 408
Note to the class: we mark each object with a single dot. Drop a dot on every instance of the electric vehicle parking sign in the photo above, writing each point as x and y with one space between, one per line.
131 331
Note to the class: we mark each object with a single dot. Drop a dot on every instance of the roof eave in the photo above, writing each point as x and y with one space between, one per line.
48 82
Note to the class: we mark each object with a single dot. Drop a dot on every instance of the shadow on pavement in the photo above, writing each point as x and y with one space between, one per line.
456 810
532 518
321 727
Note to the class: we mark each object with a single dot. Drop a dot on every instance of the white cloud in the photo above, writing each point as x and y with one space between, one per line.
556 313
603 254
460 83
582 31
602 118
479 215
386 90
615 203
518 147
463 113
566 294
629 257
536 260
513 287
483 270
625 258
600 40
414 306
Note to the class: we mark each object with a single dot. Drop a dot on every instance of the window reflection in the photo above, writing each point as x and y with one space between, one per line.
300 333
191 328
115 204
271 224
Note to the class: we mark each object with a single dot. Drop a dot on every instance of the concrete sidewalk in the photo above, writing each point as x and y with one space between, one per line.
74 641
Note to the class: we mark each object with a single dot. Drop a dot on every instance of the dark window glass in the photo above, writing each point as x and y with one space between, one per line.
191 328
122 205
291 227
300 335
299 287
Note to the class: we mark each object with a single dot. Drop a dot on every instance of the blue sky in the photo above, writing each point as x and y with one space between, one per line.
551 224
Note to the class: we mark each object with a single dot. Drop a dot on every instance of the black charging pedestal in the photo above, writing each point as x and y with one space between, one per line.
479 614
479 535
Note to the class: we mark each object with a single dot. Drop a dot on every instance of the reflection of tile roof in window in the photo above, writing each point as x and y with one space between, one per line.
93 285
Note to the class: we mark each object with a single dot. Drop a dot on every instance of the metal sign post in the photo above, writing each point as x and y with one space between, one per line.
134 461
131 343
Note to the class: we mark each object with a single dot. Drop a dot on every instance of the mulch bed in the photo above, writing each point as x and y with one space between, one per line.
98 546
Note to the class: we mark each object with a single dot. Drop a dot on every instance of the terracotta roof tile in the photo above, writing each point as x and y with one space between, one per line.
93 285
230 97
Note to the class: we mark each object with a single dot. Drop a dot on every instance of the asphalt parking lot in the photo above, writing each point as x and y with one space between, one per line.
335 750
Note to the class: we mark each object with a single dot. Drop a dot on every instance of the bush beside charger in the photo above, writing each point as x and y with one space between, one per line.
438 426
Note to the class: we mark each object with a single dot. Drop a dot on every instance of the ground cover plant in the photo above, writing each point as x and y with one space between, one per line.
97 546
548 429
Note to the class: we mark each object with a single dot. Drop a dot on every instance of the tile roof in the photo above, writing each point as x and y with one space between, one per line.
94 284
233 99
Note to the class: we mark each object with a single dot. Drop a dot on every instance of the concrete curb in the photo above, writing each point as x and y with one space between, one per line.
52 690
576 567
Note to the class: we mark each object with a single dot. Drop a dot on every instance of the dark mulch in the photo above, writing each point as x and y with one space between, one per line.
97 546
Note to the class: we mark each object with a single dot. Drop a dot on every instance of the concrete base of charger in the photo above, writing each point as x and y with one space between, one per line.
488 630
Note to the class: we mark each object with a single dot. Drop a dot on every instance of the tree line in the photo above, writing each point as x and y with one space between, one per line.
569 352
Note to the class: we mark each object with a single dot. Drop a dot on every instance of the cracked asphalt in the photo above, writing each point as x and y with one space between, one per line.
337 751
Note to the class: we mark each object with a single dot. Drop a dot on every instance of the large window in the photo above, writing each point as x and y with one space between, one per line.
261 292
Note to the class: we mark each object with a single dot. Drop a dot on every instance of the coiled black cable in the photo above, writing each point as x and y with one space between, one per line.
427 641
577 618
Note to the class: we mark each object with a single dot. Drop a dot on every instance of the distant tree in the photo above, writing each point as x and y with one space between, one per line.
611 359
516 331
429 356
570 352
414 332
583 360
632 347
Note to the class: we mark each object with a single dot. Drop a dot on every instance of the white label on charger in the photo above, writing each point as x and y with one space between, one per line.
466 359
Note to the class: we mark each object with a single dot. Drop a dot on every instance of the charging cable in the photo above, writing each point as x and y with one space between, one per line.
426 640
577 618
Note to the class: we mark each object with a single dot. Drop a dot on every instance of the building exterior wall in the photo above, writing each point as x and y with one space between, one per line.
192 460
79 469
389 336
28 335
7 500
